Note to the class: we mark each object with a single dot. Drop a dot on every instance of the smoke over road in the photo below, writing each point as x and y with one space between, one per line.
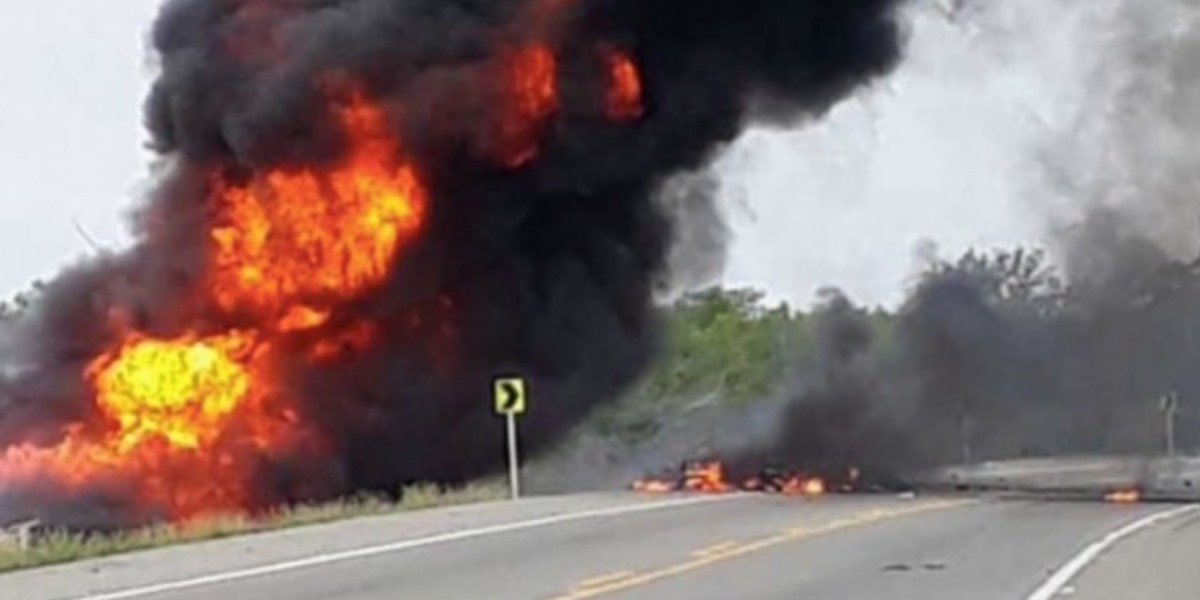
1013 353
367 208
1003 355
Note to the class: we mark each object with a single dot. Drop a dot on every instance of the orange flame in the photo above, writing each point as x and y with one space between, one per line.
804 486
175 415
292 237
356 337
653 486
709 477
299 318
180 391
623 100
705 477
530 91
1124 496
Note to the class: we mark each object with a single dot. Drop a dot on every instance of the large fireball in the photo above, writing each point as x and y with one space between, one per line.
181 392
295 236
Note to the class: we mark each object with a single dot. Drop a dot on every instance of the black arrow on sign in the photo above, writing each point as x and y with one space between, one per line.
512 395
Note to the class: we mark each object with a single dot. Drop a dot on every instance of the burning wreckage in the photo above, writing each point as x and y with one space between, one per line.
1119 481
711 476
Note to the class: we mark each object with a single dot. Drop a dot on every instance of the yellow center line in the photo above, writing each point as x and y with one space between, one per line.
725 554
604 579
715 549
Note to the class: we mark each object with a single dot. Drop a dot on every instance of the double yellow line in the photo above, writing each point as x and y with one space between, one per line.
726 551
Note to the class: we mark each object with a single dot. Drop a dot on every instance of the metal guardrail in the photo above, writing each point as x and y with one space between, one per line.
1165 478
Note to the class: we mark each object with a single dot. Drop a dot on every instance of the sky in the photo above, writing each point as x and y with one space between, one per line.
70 128
936 156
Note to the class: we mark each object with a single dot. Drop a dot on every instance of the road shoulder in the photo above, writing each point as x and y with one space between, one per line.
1158 562
271 549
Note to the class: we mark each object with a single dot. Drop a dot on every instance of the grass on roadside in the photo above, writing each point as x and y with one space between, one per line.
62 547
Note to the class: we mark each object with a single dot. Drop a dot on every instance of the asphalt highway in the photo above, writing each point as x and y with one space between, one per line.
624 547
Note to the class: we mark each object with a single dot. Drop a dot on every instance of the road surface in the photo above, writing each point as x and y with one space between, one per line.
622 547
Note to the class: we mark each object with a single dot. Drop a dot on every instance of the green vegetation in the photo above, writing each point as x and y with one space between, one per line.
726 341
62 547
737 346
725 346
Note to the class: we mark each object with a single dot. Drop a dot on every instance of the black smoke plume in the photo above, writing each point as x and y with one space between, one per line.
991 357
546 268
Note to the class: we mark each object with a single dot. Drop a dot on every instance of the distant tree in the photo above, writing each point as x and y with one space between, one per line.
1020 278
726 342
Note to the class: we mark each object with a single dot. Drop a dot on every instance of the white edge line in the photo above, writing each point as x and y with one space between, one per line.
357 553
1092 551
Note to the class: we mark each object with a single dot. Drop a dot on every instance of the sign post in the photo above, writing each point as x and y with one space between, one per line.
514 461
1169 404
510 395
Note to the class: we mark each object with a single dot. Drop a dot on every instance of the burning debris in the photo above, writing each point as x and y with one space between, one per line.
1124 496
710 477
365 209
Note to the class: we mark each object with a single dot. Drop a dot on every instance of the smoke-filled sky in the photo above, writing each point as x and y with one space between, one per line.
941 152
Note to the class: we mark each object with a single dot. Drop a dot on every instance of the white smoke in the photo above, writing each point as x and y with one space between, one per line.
1008 122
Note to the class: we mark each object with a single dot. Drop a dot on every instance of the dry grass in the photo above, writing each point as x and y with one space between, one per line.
56 548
